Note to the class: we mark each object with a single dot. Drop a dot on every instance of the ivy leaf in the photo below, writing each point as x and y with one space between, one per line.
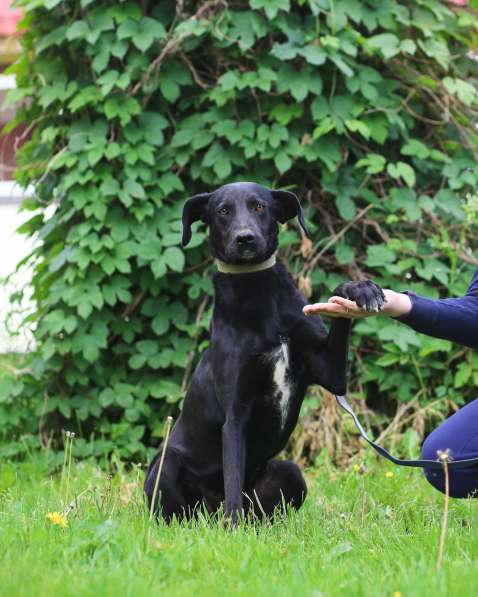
373 163
462 375
313 54
153 125
345 206
174 258
282 162
160 324
359 127
416 148
154 28
222 167
128 29
77 30
271 7
134 189
404 171
387 43
285 51
344 253
169 88
379 255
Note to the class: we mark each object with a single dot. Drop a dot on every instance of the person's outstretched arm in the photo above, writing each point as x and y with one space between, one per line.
454 319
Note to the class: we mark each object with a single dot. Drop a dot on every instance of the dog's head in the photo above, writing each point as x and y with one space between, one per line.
242 219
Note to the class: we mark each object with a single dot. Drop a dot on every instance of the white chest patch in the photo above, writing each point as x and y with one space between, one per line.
281 380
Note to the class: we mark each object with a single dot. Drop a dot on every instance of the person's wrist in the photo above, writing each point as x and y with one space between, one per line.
397 304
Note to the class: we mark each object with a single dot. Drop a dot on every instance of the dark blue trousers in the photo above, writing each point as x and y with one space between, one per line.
459 434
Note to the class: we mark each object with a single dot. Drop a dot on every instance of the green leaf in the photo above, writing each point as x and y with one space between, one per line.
387 43
379 255
313 54
359 127
222 167
346 207
465 91
282 162
169 88
416 148
134 189
137 361
149 31
344 254
271 7
373 163
284 113
153 125
404 171
79 29
462 375
174 259
160 324
128 29
110 186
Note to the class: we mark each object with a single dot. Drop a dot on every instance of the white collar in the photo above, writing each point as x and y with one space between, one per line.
245 268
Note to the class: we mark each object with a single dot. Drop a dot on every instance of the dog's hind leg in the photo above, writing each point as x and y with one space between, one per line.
279 484
172 496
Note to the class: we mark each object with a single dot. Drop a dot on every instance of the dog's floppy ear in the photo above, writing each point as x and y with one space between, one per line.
286 207
194 209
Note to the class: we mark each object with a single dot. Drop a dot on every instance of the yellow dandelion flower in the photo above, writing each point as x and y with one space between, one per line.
389 474
397 593
58 519
356 468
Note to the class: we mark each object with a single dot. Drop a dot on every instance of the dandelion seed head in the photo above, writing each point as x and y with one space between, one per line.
444 455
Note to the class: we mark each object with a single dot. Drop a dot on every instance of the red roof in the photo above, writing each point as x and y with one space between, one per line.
8 18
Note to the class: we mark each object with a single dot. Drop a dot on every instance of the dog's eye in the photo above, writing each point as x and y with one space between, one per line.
259 207
223 211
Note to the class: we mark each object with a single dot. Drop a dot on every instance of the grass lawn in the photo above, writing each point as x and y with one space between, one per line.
321 550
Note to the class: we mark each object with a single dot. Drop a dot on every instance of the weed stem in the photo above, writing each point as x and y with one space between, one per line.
169 422
444 456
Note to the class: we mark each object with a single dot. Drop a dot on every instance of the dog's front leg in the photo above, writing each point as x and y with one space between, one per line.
234 462
324 358
332 366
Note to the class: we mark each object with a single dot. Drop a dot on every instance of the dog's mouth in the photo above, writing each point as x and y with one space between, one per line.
248 254
252 252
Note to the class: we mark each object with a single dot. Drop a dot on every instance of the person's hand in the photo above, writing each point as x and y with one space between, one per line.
396 305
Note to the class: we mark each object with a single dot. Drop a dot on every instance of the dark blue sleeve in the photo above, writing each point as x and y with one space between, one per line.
454 319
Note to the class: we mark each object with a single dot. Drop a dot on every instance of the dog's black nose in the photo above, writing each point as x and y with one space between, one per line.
245 238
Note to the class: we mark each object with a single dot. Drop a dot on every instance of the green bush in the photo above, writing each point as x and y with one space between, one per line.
366 109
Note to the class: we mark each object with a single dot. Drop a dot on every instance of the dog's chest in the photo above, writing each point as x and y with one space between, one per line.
281 381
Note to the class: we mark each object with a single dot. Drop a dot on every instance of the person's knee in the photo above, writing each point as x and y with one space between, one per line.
462 482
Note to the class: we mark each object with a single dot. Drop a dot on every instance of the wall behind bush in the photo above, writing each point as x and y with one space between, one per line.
366 109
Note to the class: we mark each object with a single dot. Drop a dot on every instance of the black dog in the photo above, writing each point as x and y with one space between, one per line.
247 390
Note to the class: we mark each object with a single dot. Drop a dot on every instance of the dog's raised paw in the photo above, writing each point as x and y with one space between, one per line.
368 295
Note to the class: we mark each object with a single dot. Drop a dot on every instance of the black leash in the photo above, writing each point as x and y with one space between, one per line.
430 464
